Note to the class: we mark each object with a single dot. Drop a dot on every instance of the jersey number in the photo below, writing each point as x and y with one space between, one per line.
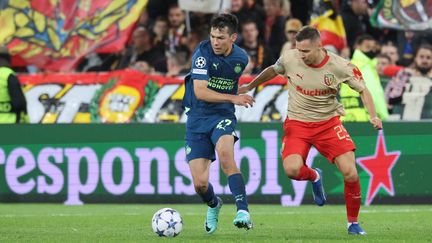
342 133
224 123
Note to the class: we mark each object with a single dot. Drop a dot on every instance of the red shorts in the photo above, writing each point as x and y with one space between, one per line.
329 137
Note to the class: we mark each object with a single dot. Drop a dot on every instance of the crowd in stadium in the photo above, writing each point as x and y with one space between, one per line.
165 36
161 42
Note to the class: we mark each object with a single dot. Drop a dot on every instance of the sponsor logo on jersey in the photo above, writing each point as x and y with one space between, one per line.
300 76
316 92
199 71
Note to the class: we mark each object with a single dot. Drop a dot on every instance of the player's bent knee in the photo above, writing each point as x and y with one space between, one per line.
292 164
200 185
292 173
229 168
350 174
351 177
201 188
291 169
224 157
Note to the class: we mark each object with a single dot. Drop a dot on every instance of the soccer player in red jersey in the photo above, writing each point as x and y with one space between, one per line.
314 77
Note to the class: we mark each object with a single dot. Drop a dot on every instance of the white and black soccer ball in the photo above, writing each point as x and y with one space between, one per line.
167 222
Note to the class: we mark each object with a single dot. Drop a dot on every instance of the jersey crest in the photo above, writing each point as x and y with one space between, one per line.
329 79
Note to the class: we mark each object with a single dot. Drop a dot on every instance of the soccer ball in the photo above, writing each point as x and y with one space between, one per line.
167 222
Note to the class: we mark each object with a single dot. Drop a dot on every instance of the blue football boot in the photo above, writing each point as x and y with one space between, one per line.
318 190
355 229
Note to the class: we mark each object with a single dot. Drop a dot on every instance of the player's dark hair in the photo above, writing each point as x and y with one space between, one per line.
307 33
221 21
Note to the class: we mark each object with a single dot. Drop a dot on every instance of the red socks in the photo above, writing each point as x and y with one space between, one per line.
306 174
352 199
352 192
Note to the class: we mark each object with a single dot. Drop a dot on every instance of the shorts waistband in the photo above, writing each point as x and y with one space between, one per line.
311 124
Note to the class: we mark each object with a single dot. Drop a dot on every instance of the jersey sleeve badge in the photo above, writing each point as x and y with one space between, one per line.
200 64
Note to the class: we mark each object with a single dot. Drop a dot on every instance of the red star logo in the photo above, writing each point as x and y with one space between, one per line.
379 167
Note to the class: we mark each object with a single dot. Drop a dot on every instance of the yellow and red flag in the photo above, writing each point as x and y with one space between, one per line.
331 28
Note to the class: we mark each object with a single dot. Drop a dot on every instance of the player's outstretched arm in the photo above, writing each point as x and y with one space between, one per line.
264 76
368 103
208 95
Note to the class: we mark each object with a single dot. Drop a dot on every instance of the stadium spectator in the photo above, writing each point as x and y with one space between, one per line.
143 50
256 11
408 43
259 53
240 9
301 9
236 10
292 26
391 51
160 31
13 105
364 59
383 62
177 33
313 116
386 71
356 20
144 19
405 47
210 95
97 62
275 24
143 67
177 63
199 19
421 67
194 38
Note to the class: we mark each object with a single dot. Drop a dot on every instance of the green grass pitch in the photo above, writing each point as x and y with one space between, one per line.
272 223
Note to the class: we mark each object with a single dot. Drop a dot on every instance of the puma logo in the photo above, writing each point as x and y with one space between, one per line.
300 76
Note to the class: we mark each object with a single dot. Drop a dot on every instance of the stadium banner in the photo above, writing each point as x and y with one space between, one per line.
54 35
412 15
145 163
205 6
129 96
